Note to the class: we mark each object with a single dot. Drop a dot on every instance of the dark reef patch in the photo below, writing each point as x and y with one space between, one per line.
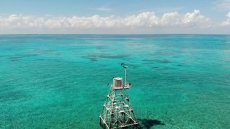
19 56
157 61
12 95
94 57
101 47
47 52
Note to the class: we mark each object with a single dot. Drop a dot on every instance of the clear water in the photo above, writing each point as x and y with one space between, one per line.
60 81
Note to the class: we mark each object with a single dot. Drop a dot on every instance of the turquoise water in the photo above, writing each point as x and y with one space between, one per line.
60 81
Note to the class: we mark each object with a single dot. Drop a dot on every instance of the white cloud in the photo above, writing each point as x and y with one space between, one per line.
143 20
222 4
188 20
227 22
195 19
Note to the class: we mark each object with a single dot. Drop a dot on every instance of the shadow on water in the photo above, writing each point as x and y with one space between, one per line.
142 124
148 123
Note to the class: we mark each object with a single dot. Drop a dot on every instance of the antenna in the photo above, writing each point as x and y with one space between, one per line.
125 67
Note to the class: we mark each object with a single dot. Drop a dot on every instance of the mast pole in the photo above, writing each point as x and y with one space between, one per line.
125 75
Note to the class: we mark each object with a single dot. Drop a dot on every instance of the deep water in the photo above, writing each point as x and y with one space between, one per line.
60 81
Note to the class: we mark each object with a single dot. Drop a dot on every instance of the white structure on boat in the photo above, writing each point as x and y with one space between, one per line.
117 110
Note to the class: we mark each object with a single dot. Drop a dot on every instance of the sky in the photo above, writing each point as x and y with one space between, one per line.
114 17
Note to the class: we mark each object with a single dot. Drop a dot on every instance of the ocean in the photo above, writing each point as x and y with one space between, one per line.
60 81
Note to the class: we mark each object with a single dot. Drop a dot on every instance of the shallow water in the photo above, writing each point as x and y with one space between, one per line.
60 81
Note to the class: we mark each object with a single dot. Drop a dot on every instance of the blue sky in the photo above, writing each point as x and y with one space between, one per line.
118 16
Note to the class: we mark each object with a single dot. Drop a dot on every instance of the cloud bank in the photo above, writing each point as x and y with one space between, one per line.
143 20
